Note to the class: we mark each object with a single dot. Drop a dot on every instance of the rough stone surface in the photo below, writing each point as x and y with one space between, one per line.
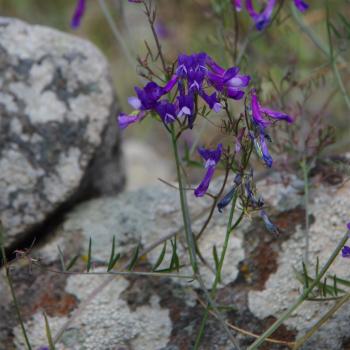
162 313
57 127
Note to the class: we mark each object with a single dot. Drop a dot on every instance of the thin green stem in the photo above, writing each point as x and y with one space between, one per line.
191 239
184 207
303 297
305 169
218 273
12 289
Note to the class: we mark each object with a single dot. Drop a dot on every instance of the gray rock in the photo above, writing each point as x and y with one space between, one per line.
161 313
59 141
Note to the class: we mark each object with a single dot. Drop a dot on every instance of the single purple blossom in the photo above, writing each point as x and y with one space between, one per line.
345 252
78 13
259 112
228 82
167 111
152 92
125 120
212 101
301 5
212 158
237 4
186 108
268 223
261 19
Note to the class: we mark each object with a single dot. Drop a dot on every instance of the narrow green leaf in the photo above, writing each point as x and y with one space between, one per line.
306 279
48 333
160 258
343 282
111 258
317 266
216 261
114 261
134 258
324 288
60 253
72 262
88 264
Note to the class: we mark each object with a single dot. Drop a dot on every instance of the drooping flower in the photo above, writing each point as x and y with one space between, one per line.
255 203
271 227
212 158
345 252
259 112
78 13
225 201
125 120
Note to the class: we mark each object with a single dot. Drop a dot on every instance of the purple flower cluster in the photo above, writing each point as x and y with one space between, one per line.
195 75
263 18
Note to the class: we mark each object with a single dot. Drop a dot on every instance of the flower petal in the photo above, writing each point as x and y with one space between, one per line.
78 14
203 186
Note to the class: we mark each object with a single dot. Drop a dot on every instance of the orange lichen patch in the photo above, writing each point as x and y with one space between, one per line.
55 304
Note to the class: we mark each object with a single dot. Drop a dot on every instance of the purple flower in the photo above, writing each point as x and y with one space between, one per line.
262 18
268 224
152 92
258 113
237 4
212 101
167 111
301 5
348 226
228 197
228 82
212 158
186 108
125 120
265 151
345 252
78 14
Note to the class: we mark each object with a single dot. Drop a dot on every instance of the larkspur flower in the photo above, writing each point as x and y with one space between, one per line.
271 227
345 252
212 158
78 13
262 18
259 112
229 82
152 92
255 203
167 111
